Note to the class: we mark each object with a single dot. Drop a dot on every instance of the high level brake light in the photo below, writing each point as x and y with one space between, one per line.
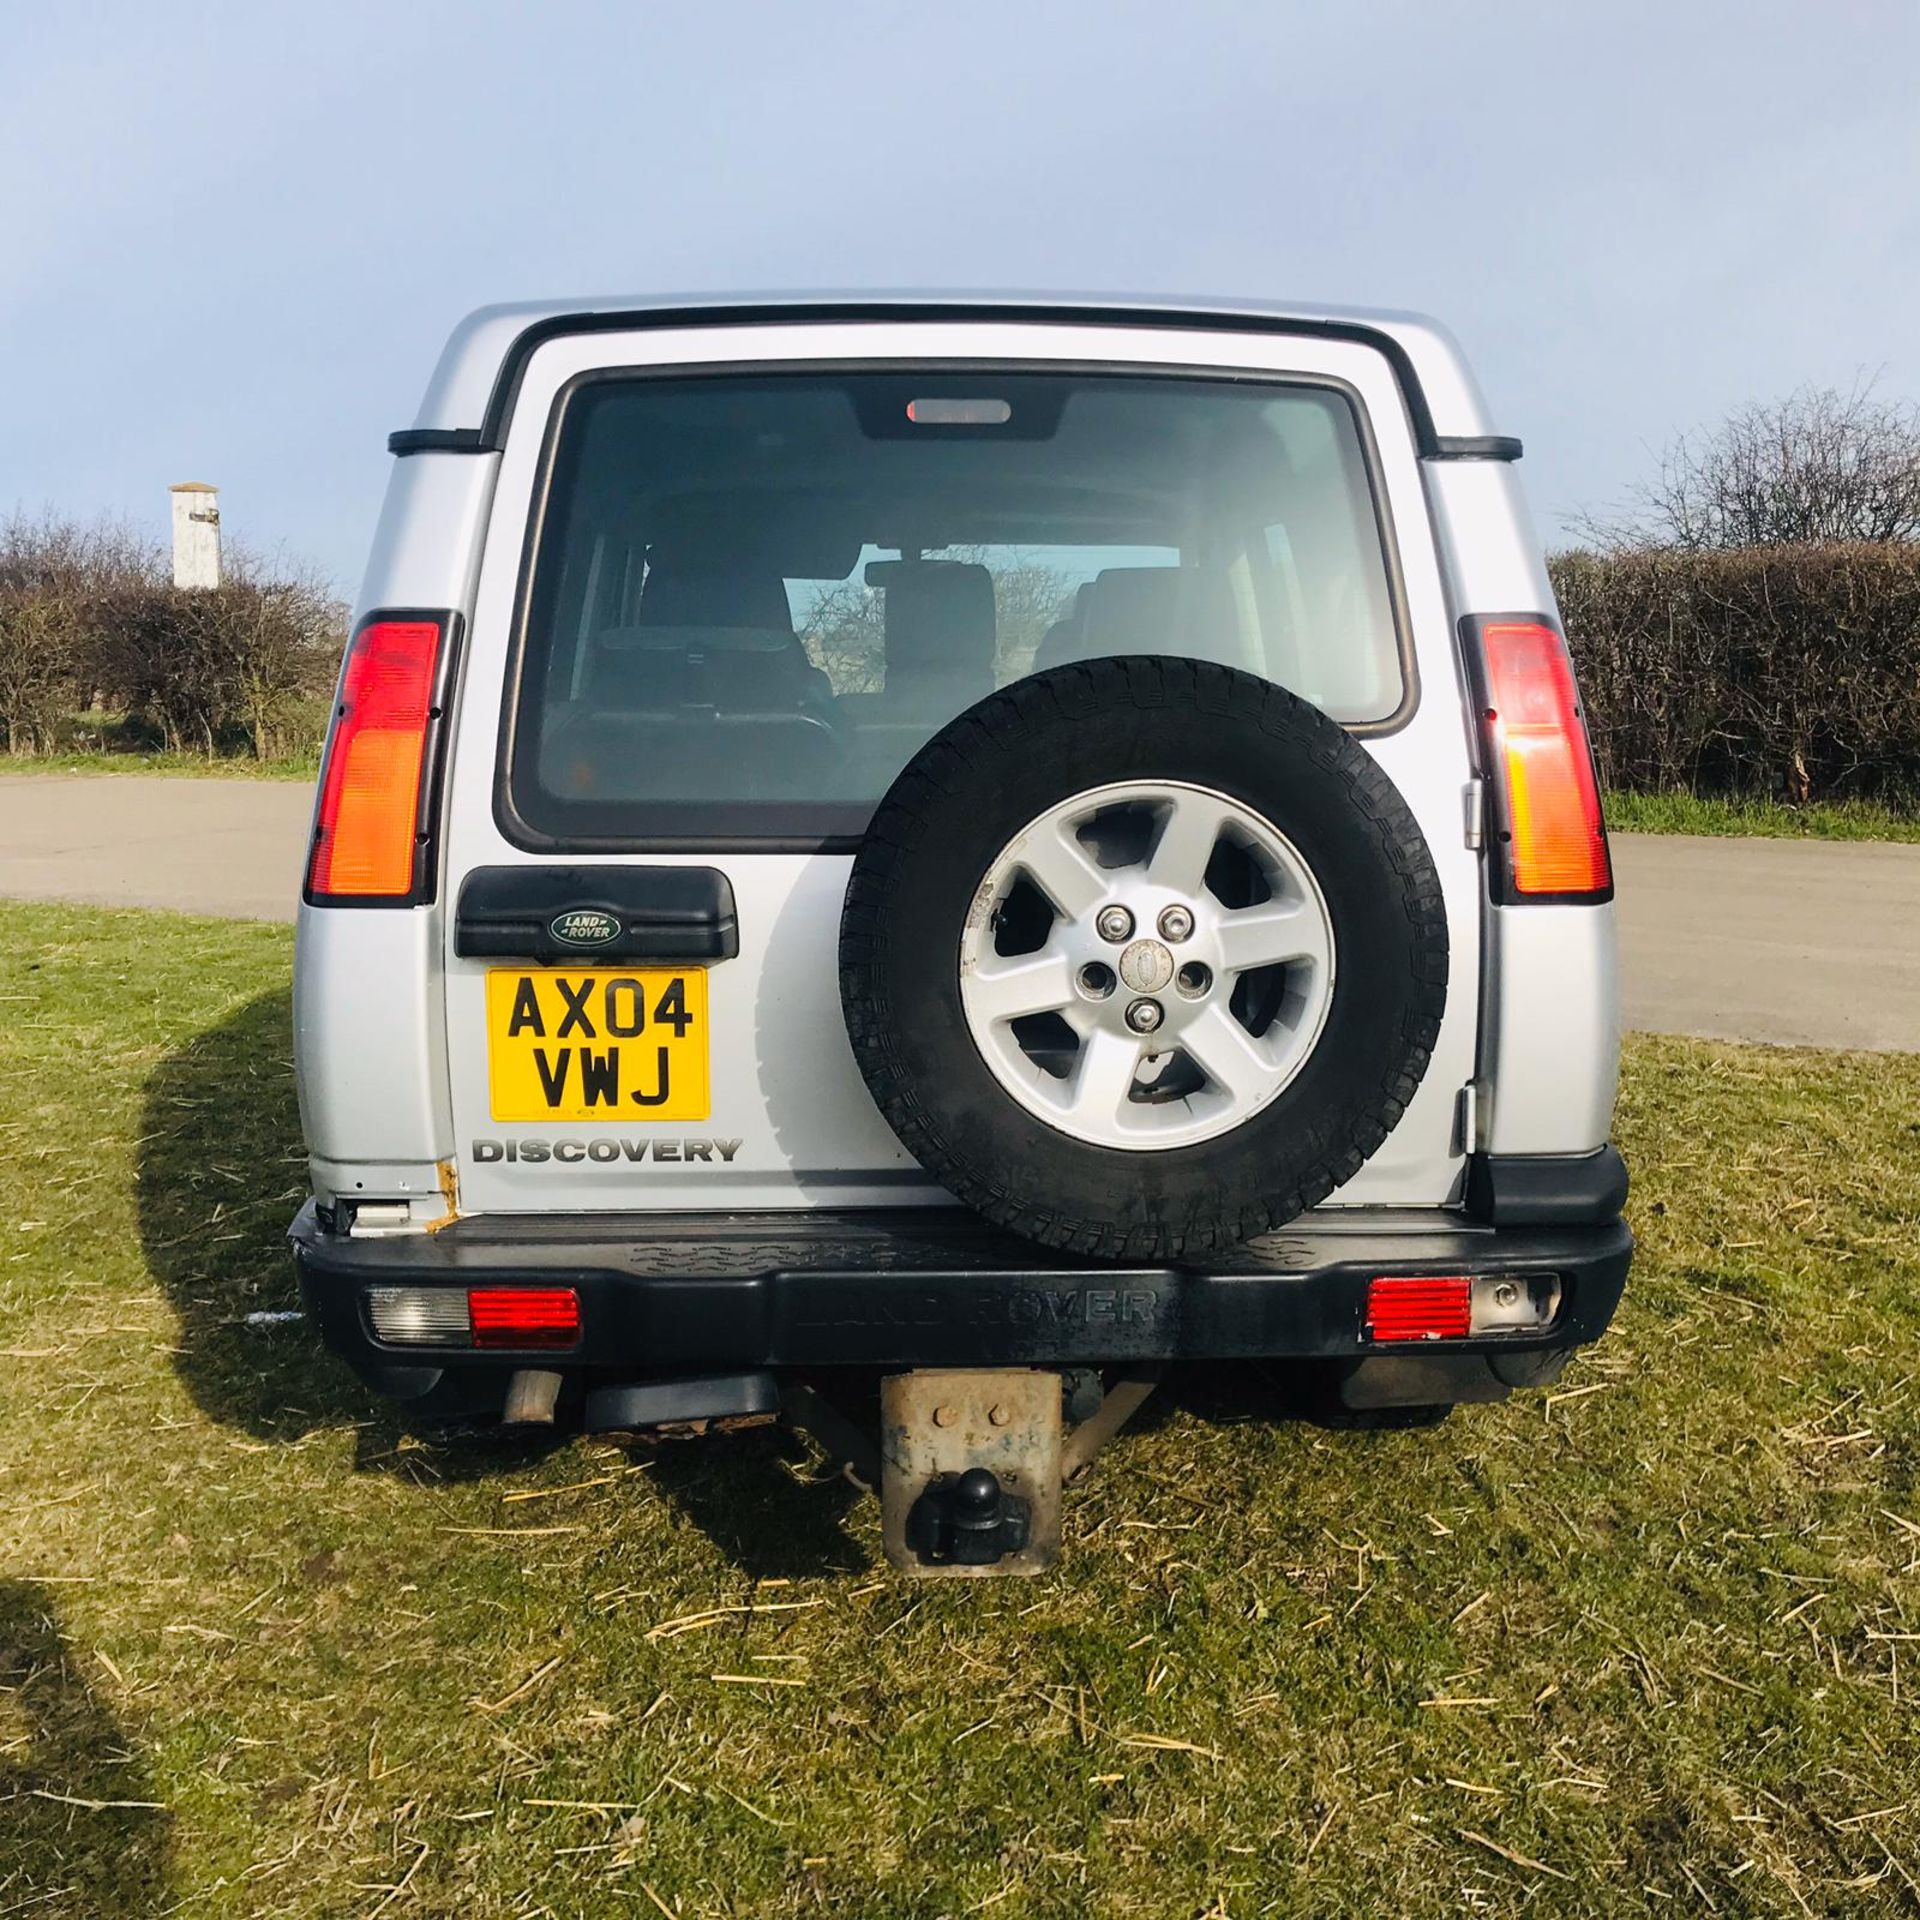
367 832
1546 799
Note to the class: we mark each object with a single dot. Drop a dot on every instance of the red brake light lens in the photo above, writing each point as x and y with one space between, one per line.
1556 840
365 835
524 1316
1422 1307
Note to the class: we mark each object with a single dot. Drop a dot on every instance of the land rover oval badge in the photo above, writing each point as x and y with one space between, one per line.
584 927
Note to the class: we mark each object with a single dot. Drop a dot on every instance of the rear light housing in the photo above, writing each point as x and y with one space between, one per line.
1550 841
511 1318
1436 1307
374 820
1456 1306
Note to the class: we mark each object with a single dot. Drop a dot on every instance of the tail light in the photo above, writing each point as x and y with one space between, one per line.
513 1317
376 786
524 1316
1546 798
1438 1308
1450 1306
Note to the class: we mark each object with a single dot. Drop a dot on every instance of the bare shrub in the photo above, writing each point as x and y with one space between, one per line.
1816 467
53 577
89 620
239 668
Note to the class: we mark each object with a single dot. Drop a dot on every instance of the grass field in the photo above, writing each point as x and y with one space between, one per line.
1647 1642
1770 819
192 766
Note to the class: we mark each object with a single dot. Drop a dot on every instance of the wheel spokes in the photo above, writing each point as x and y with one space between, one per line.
1189 831
1063 870
1228 1055
1104 1075
1269 934
1010 989
1139 963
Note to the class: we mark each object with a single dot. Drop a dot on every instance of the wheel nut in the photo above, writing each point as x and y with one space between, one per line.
943 1416
998 1415
1114 924
1176 923
1144 1016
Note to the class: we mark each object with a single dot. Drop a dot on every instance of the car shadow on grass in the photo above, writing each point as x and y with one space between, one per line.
758 1496
1267 1393
221 1174
80 1830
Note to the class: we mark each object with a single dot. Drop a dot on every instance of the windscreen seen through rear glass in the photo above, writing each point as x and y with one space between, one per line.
753 598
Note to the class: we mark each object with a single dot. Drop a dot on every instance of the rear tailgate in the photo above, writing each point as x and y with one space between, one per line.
761 1104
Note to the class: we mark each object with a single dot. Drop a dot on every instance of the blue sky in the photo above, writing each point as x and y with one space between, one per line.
232 239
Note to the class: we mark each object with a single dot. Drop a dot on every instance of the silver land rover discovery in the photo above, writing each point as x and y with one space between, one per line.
997 843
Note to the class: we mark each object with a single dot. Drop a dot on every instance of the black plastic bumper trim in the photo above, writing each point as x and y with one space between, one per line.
659 1403
1546 1190
928 1287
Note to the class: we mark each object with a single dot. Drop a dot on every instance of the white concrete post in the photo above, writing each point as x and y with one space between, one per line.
196 535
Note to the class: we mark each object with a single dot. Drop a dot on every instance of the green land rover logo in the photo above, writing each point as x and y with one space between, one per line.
584 927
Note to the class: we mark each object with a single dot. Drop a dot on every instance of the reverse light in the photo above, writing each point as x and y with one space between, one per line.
1547 800
516 1317
420 1316
367 843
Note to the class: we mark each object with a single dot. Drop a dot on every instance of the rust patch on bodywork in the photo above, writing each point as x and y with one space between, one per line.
448 1173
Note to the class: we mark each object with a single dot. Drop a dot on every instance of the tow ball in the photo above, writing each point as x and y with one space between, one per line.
971 1462
967 1520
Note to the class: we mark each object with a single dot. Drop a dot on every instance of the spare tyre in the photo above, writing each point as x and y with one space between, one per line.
1142 956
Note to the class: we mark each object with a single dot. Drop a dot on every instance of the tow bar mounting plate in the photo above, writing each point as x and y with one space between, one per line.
938 1424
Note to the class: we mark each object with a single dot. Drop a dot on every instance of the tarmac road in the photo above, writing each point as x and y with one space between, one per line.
1803 942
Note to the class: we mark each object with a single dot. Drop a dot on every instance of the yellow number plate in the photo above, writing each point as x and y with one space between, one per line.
597 1043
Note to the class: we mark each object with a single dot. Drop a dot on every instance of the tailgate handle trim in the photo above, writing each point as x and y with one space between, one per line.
616 913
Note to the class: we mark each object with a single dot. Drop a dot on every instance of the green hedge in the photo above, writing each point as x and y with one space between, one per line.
1788 671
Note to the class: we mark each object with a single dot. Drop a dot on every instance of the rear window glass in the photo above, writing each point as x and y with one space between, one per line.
753 598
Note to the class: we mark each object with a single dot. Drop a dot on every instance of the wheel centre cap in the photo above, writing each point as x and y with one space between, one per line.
1146 966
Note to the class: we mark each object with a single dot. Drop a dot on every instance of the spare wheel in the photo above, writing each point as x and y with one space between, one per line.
1143 956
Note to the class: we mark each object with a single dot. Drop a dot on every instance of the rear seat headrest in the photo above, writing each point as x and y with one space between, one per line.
1179 610
706 592
941 633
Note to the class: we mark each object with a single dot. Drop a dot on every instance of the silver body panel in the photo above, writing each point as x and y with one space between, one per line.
464 382
389 1020
1550 1049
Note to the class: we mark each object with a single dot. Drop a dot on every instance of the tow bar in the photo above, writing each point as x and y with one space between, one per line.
971 1462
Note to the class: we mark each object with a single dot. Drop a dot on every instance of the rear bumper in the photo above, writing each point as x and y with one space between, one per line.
666 1294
